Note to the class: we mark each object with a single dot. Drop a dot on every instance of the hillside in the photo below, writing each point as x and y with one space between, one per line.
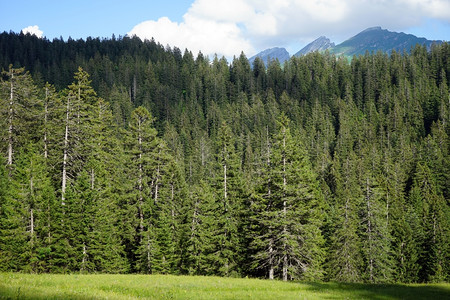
377 39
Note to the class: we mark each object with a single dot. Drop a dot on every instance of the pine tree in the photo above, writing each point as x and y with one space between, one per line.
345 261
200 226
375 235
431 207
19 113
78 135
228 185
13 239
37 200
104 170
291 213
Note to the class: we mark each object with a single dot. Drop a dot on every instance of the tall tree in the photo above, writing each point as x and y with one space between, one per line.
345 261
228 185
434 214
292 213
18 110
78 135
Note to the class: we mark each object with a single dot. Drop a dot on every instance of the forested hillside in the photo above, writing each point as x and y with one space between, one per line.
122 156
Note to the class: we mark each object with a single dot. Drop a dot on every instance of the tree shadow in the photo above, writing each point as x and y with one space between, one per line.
380 291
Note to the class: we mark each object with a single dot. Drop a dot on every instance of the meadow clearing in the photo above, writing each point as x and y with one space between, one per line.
102 286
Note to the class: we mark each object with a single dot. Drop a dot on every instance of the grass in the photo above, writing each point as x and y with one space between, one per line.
53 286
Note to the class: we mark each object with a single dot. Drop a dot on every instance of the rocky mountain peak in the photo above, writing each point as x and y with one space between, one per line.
321 44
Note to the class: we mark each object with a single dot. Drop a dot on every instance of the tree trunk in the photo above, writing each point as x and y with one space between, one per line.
270 260
83 261
285 258
31 208
65 157
225 195
10 121
140 181
45 123
369 231
149 260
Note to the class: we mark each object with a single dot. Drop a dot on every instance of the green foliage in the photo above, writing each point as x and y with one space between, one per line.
317 169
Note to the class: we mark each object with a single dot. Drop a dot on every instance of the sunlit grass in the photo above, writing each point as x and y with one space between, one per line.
51 286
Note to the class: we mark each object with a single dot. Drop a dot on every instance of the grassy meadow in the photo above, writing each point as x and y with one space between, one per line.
54 286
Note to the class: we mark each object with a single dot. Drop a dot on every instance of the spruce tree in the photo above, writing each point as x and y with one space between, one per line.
291 216
229 189
200 227
345 261
433 211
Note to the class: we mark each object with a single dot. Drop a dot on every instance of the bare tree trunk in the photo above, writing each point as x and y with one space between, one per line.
31 224
83 261
92 178
45 123
10 117
31 209
140 181
65 156
285 258
149 261
225 195
271 270
369 231
269 192
157 180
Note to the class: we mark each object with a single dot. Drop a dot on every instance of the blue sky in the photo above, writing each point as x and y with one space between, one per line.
226 27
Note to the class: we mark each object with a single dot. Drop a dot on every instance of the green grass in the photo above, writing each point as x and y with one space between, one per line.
52 286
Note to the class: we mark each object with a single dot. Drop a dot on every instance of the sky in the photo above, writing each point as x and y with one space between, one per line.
225 27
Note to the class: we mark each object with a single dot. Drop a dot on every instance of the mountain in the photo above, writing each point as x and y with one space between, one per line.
372 39
377 39
320 44
271 54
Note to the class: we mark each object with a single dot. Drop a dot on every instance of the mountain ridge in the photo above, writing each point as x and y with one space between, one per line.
375 39
271 54
371 39
320 44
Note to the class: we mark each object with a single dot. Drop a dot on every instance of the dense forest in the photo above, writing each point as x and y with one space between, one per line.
124 156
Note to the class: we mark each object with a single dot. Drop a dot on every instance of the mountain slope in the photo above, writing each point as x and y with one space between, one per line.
271 54
320 44
377 39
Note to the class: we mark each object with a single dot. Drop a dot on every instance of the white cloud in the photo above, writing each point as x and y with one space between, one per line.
33 30
210 34
229 27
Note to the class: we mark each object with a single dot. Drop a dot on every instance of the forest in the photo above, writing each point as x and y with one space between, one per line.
126 156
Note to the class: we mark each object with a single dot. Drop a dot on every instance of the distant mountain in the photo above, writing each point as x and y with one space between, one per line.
271 54
377 39
320 44
372 39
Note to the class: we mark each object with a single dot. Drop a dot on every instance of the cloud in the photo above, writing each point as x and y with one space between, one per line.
33 30
195 34
229 27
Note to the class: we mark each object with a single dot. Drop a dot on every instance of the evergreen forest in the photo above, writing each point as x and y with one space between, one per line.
126 156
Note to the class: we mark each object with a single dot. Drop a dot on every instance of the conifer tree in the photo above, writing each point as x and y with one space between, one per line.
375 236
228 185
13 238
37 200
78 135
18 110
291 213
105 179
430 204
200 226
345 261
